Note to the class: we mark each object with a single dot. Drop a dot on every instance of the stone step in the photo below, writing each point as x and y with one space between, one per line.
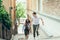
2 39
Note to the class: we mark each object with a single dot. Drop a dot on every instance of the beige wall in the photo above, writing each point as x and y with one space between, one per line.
31 5
34 5
51 7
6 4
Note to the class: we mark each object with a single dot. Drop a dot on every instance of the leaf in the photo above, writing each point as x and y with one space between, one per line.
5 17
20 11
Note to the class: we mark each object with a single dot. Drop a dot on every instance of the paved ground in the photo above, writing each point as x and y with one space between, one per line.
40 37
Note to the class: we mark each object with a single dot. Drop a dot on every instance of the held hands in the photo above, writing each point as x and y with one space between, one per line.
42 23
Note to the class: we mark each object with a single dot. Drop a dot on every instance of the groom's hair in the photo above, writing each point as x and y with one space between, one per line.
34 13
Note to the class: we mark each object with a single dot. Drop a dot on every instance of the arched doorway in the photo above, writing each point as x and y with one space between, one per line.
21 13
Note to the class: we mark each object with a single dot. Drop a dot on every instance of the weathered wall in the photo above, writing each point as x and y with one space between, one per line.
51 7
6 4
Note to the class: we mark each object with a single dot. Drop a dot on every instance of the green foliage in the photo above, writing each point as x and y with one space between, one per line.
5 17
0 2
20 11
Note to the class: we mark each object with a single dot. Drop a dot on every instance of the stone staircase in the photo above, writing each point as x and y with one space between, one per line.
2 39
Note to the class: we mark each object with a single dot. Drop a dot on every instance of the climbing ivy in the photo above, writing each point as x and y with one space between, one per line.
4 16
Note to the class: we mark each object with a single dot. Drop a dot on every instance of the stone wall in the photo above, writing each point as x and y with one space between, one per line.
6 4
51 7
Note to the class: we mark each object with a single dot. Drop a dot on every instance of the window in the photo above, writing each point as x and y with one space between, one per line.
22 5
